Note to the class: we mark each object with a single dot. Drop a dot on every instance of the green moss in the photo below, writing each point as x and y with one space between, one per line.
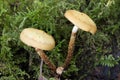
48 15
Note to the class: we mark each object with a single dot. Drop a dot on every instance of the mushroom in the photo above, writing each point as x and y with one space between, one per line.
82 21
40 40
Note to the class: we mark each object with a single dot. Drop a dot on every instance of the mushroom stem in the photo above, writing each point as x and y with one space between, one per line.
75 29
70 47
59 70
46 60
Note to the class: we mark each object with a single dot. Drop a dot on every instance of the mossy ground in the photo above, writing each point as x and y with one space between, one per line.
91 53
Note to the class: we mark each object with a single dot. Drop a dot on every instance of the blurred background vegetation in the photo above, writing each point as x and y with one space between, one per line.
93 55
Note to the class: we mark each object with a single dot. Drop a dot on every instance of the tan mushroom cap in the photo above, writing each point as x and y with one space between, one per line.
81 20
37 39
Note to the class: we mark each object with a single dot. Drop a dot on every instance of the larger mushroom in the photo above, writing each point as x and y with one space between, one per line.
80 21
40 40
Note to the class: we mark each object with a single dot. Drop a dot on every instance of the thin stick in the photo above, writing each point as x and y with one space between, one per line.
40 76
41 64
46 60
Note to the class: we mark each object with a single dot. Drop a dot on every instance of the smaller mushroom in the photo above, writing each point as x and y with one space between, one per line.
59 70
40 40
82 21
